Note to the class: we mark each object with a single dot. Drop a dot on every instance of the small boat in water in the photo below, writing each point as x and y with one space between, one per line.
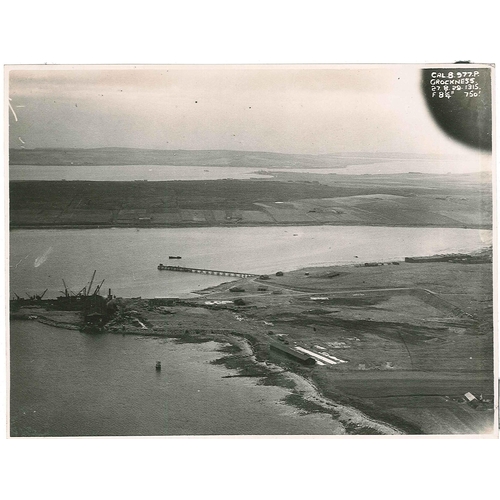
174 257
158 365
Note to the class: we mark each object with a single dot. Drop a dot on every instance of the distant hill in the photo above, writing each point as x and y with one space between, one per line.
215 158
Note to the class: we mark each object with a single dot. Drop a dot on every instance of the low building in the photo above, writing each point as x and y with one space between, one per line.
472 400
297 356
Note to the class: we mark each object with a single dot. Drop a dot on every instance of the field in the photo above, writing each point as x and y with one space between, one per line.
288 199
403 357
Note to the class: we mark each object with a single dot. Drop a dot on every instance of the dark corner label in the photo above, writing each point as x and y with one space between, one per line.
459 99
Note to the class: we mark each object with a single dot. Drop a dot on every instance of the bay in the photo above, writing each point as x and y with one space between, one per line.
129 173
179 173
68 383
128 258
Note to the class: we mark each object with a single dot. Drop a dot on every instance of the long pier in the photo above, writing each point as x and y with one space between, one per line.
213 272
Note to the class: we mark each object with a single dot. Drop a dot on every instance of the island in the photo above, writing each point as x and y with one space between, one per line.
288 198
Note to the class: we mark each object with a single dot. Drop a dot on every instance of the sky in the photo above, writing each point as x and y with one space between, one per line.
300 109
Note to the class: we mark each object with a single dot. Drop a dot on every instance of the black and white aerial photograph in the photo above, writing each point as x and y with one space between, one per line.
250 250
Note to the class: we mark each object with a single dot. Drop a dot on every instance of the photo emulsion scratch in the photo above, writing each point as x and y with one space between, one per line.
251 250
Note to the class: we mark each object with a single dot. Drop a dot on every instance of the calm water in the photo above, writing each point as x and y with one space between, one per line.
171 172
66 383
129 173
128 258
402 167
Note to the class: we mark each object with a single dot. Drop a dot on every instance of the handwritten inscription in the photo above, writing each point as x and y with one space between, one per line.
446 84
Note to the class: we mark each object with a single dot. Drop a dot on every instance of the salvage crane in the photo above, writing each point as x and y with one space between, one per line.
66 294
91 281
36 297
86 291
98 288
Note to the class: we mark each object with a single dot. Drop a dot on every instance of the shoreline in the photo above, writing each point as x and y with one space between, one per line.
241 356
307 395
12 227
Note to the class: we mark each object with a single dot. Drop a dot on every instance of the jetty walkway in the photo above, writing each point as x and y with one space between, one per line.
214 272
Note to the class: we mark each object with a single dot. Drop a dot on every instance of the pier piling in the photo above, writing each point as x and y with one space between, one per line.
213 272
